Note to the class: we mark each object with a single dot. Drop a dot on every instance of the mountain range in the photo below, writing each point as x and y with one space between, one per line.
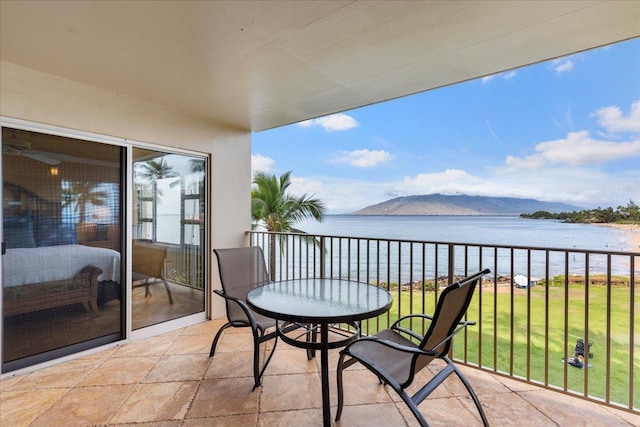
440 204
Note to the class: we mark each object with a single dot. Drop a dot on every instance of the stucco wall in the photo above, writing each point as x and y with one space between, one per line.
42 98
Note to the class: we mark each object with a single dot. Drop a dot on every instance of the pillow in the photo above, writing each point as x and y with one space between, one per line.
47 231
51 232
18 232
67 234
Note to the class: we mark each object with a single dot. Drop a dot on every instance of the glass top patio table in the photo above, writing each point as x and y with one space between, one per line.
321 302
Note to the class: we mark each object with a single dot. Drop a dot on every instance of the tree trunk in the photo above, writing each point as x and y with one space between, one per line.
272 257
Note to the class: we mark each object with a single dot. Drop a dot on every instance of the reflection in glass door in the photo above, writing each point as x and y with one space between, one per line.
168 234
61 266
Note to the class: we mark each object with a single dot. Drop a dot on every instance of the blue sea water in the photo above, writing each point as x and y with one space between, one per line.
490 230
486 231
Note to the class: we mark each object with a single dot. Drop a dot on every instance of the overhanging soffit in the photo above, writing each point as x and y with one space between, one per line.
263 64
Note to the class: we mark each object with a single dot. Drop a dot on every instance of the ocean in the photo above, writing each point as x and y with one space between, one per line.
488 230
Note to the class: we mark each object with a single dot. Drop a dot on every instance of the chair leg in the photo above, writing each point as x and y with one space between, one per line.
467 385
166 286
340 390
257 372
217 337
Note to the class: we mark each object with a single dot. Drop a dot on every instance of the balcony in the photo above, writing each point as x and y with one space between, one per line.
513 357
170 380
530 311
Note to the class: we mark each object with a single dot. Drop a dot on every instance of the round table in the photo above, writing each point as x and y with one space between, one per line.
320 302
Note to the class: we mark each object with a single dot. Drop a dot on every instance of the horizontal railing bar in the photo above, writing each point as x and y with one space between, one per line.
437 242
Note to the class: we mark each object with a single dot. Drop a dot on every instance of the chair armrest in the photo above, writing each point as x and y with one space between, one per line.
243 305
409 316
396 325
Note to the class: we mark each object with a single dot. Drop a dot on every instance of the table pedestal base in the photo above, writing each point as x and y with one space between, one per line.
311 343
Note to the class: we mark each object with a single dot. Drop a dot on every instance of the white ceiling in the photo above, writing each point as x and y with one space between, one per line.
263 64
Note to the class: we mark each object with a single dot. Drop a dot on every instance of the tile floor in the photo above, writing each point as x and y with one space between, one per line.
169 380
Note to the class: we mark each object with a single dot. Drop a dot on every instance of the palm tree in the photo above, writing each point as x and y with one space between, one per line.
80 194
276 210
152 171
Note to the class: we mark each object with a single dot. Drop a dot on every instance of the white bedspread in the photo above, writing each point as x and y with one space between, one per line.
22 266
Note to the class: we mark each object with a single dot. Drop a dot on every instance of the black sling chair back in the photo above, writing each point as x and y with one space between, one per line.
396 354
242 269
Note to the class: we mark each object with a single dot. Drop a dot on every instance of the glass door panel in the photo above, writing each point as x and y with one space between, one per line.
167 232
61 249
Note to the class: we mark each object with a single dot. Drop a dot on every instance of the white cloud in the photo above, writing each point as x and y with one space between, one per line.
334 122
508 75
563 65
535 161
613 120
363 158
577 149
260 163
302 185
451 181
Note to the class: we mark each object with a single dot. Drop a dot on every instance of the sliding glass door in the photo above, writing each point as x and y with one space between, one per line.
167 237
62 246
66 286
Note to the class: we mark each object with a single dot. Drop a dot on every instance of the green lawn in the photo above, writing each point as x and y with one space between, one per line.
529 344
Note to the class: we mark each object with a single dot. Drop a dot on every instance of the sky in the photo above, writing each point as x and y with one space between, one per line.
566 130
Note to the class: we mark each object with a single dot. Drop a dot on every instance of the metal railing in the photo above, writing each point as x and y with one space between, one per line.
526 333
184 265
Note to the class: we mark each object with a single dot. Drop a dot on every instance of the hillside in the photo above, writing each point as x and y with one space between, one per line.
439 204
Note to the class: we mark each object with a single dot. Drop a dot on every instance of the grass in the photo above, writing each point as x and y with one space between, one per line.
531 343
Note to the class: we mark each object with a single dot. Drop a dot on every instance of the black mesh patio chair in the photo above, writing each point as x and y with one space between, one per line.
243 269
395 356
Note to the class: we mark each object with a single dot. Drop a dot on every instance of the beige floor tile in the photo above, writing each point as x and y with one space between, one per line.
66 374
11 382
191 344
305 417
360 388
510 408
191 367
249 420
231 365
370 415
444 412
21 407
562 410
155 346
156 402
222 397
103 354
482 382
288 360
120 370
84 406
288 392
152 384
208 329
234 339
172 423
631 418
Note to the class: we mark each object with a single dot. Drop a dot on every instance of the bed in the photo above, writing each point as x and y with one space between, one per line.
43 264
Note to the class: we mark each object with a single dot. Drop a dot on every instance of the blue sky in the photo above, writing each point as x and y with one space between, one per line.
563 130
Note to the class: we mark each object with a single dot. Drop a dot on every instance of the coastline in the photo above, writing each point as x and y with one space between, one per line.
633 230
